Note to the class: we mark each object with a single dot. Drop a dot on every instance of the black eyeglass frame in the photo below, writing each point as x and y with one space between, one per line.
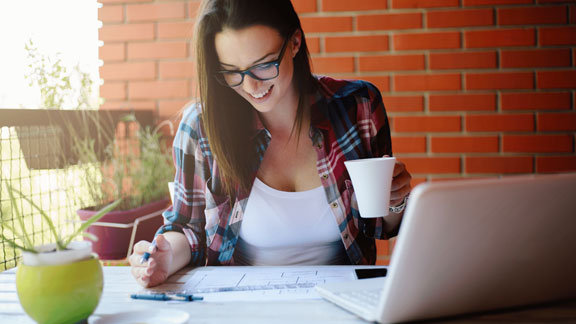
222 80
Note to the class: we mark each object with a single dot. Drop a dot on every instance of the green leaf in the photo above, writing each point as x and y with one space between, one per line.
27 242
93 219
14 245
128 118
46 218
8 227
90 236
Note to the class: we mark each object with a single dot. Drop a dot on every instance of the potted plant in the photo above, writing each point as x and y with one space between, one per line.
60 282
136 168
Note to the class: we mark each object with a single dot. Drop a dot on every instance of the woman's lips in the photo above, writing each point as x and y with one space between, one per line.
260 96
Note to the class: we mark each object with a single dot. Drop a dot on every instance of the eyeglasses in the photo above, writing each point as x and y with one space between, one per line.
262 72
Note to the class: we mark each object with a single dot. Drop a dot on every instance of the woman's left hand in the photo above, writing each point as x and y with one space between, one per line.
400 184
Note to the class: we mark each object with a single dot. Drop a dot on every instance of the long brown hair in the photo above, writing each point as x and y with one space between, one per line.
226 116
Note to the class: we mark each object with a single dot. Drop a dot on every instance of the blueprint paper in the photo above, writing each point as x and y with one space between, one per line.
219 284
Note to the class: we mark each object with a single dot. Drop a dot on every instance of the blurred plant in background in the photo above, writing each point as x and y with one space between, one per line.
61 87
135 165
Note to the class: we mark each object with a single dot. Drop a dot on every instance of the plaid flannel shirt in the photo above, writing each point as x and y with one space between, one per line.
348 122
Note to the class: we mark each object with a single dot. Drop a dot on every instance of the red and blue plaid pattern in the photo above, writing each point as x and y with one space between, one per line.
348 122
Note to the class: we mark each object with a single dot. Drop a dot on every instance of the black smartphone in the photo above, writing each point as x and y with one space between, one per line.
371 273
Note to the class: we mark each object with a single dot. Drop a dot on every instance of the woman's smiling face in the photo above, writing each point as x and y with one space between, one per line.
242 49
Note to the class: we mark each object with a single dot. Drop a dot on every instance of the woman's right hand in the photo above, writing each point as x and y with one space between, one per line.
156 270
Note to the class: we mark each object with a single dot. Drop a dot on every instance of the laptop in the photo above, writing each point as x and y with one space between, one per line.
468 246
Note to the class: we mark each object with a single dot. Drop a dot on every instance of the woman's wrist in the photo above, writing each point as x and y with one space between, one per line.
399 208
181 254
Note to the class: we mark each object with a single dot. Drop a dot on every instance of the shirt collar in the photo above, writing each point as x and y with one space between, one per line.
257 125
319 111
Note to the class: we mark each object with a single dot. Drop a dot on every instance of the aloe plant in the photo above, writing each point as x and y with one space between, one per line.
62 241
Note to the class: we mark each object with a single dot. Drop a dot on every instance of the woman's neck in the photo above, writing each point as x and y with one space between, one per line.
280 120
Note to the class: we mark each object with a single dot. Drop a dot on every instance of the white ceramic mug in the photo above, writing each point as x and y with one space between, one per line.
372 182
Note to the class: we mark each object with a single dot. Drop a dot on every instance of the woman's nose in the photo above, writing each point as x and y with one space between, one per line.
250 84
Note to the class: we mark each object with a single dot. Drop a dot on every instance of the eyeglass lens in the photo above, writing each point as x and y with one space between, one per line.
261 72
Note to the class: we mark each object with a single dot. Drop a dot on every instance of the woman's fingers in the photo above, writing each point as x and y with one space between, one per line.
399 167
397 196
154 271
400 184
142 275
144 281
142 271
139 273
141 247
401 180
151 267
401 188
162 243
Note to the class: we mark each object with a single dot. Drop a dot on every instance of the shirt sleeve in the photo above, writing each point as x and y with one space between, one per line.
381 142
380 145
186 215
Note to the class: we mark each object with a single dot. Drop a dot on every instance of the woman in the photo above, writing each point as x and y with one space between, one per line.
260 174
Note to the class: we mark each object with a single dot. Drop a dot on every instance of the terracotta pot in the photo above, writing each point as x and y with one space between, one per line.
114 230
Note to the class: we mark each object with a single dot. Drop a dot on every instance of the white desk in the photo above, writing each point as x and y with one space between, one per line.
119 284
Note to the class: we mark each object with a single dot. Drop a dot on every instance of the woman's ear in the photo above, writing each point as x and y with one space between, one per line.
296 40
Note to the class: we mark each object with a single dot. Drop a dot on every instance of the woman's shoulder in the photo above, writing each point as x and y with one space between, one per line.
344 88
191 122
191 113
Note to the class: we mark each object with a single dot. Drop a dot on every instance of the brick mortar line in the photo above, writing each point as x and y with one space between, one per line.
424 20
390 10
496 16
353 33
369 12
157 70
464 155
466 133
427 30
537 37
429 51
463 74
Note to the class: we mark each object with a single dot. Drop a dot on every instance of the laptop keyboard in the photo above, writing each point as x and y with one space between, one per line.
362 297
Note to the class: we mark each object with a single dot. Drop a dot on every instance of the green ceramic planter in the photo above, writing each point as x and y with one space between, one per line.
66 293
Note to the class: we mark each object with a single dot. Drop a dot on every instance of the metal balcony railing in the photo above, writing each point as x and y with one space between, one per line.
36 157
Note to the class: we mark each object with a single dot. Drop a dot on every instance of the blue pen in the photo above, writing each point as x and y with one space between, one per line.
163 296
146 255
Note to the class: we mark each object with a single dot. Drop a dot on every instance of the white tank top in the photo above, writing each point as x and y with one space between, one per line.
288 228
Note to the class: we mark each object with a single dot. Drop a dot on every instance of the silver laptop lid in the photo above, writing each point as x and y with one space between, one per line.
474 245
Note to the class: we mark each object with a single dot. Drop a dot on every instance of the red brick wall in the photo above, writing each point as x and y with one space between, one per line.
473 88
